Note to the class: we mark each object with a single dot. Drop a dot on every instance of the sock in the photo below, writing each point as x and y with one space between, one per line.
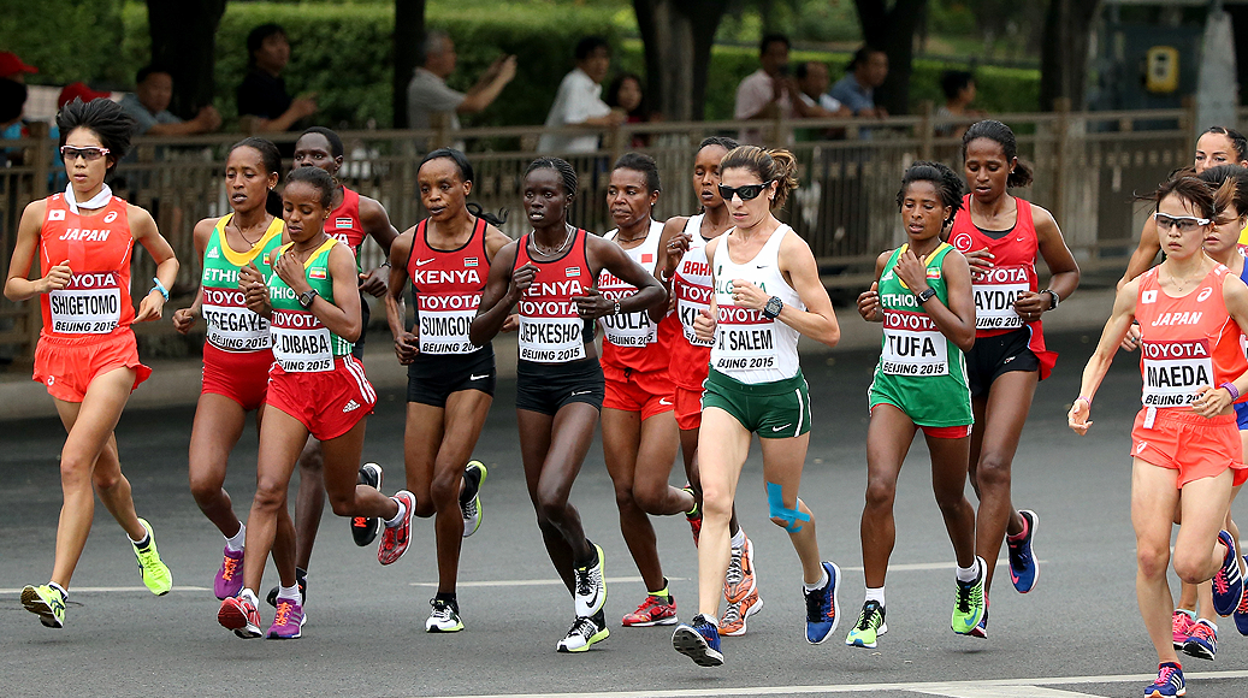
710 619
58 587
661 593
398 518
142 544
472 484
249 596
590 562
235 542
823 581
289 592
738 539
969 574
876 595
448 598
1190 614
1021 534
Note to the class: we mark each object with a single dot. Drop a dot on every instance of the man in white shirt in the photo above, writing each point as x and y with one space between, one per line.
579 101
432 104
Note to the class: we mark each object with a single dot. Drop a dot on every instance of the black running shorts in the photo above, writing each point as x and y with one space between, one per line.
546 388
431 378
993 356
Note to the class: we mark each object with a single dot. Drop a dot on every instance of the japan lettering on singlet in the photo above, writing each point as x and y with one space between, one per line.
1174 370
634 329
447 286
96 300
551 329
995 293
913 344
692 287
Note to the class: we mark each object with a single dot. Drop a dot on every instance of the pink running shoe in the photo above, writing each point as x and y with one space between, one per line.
288 623
653 611
395 539
229 579
1182 625
240 615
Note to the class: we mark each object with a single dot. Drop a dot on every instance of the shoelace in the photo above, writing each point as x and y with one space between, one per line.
732 614
1165 675
584 627
815 608
441 611
735 572
864 620
1220 583
228 567
1243 605
359 522
582 581
1203 632
964 596
283 612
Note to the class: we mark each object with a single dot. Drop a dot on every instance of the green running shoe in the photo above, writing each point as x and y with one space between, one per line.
969 606
156 575
869 628
47 602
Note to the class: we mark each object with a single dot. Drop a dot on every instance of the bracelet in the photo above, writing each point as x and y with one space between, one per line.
160 287
1085 399
1230 388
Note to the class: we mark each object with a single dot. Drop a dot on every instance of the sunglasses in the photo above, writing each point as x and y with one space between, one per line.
90 153
748 192
1185 224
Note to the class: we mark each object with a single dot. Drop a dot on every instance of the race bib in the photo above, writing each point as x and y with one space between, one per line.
89 304
690 302
444 322
300 343
551 340
913 346
745 340
629 329
1173 371
995 294
231 326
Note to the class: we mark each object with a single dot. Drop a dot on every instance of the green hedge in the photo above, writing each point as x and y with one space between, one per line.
342 52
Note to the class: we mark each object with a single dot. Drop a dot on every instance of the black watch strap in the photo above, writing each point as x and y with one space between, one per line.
926 295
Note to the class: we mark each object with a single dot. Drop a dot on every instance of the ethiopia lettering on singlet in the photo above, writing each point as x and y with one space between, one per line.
89 304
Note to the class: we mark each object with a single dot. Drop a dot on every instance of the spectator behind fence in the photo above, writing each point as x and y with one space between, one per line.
149 105
13 68
812 85
431 104
12 102
767 92
262 94
856 90
579 101
959 88
626 94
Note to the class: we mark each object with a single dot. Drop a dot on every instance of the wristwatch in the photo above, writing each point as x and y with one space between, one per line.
772 310
1053 295
307 297
926 295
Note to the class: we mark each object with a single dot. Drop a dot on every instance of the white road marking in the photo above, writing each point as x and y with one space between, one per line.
108 590
969 689
534 582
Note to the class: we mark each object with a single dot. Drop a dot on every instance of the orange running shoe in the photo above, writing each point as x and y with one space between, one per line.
739 582
735 616
655 610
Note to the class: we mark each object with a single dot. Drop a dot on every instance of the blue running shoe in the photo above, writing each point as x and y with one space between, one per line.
1169 682
1228 585
1023 566
1202 643
1241 613
699 642
823 610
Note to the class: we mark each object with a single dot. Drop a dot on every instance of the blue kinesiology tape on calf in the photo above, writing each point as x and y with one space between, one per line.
791 517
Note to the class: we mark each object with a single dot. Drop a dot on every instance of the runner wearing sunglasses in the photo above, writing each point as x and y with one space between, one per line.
1002 236
87 355
687 274
1186 449
767 294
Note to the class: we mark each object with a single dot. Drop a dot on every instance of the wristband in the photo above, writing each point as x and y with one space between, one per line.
1230 388
1085 399
160 287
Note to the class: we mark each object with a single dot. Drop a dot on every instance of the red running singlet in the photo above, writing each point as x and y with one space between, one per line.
551 330
446 290
98 247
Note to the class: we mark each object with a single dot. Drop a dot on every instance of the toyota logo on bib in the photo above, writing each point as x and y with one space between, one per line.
962 241
1204 294
112 216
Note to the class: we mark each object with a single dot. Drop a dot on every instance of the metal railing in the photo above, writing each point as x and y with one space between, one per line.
1087 166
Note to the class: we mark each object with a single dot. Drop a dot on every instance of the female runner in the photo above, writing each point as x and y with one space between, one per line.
353 217
450 381
688 275
238 347
1186 450
922 294
551 273
639 435
767 294
86 355
316 387
1218 145
1001 235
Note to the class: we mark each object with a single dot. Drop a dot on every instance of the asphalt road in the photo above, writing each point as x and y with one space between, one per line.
1077 634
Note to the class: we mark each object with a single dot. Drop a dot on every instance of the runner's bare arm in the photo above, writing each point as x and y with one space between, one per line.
376 224
818 321
406 344
18 287
502 291
1063 269
704 323
184 318
957 319
1216 400
672 247
1094 372
605 254
869 300
144 231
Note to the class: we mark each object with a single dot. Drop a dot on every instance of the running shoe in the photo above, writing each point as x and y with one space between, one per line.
981 630
655 610
591 586
229 579
694 517
736 615
47 602
1228 585
1181 625
969 605
870 626
301 579
699 642
585 633
1203 642
1169 682
1241 613
156 576
740 581
471 508
364 529
240 615
395 539
823 609
1024 569
444 618
288 621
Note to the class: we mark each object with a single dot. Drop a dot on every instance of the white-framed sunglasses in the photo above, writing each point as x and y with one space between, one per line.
1185 224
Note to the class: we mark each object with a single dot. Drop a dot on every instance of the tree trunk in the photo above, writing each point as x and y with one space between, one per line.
893 31
1064 53
678 36
409 32
183 41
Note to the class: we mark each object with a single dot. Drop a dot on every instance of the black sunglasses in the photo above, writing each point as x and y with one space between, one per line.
747 192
